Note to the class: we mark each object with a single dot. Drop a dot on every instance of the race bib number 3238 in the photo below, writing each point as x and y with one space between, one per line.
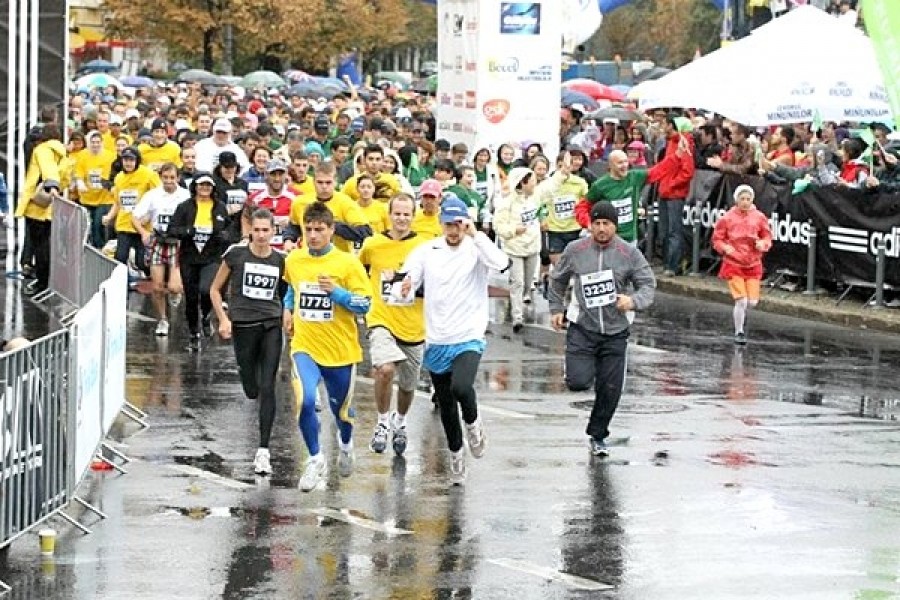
599 288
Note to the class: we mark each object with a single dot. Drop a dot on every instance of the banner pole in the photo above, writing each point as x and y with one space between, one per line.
811 263
879 275
695 246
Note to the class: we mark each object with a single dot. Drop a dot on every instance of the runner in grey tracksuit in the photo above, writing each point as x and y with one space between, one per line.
603 269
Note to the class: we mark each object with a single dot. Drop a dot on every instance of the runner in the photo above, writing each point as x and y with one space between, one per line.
254 320
156 209
275 198
328 288
129 187
603 266
426 222
558 195
396 328
161 149
93 172
386 185
516 222
742 236
454 270
201 224
376 213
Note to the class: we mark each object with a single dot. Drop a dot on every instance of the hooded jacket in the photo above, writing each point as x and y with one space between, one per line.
516 210
741 230
676 183
45 165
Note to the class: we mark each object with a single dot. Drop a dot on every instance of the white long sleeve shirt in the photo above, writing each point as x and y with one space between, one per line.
455 280
208 155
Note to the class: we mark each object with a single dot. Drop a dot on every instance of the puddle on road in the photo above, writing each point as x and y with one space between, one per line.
199 513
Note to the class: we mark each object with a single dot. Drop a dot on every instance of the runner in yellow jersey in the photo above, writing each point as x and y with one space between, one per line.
426 222
396 327
327 290
375 212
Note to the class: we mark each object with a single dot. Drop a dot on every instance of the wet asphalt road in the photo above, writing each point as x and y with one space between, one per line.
768 472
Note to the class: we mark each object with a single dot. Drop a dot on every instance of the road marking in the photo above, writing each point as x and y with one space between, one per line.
345 516
209 476
572 581
502 412
140 317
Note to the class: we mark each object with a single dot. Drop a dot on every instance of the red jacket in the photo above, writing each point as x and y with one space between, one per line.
676 184
741 230
671 166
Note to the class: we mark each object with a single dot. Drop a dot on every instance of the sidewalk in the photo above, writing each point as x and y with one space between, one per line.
822 307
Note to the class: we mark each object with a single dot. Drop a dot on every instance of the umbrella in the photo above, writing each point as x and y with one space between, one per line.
200 76
651 74
594 89
136 81
615 112
98 65
328 87
262 79
97 80
571 98
296 76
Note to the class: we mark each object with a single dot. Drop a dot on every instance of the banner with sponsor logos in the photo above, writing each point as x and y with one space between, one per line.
500 73
850 225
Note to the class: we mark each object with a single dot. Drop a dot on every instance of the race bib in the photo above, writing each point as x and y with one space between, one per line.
128 199
315 304
387 287
482 188
95 179
625 209
599 289
256 186
235 198
260 281
155 166
162 221
201 237
564 207
529 216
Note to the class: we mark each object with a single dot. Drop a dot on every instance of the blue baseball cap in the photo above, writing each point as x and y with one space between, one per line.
453 209
358 124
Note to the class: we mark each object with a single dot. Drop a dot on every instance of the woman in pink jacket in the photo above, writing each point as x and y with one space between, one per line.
742 237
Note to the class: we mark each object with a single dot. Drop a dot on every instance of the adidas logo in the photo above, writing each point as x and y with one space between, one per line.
862 241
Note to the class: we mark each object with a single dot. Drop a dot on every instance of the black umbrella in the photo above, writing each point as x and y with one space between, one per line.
652 73
615 112
200 76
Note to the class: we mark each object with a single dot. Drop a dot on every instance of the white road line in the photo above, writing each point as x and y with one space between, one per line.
345 516
481 406
209 476
140 317
572 581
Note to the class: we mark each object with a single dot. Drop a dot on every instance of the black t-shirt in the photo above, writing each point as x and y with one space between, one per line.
255 285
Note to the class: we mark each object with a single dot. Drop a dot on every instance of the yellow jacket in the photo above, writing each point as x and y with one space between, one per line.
46 164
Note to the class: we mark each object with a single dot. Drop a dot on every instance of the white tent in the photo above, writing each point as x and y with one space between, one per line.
803 62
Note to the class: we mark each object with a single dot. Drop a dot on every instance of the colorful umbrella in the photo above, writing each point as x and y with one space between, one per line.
137 81
97 80
571 98
296 76
594 89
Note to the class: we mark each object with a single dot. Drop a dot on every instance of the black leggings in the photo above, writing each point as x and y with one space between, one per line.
457 387
257 348
197 279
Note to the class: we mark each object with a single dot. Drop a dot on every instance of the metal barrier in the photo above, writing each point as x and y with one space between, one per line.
68 235
35 418
96 268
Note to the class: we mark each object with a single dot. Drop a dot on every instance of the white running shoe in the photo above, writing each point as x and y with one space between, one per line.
458 467
314 473
162 328
262 464
379 438
476 438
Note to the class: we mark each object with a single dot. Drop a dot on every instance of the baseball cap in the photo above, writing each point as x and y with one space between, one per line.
228 159
321 123
223 125
115 119
132 113
204 178
453 209
358 124
431 187
605 210
130 152
159 124
275 165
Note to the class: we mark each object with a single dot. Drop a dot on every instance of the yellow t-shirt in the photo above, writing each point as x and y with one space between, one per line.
386 186
93 169
376 215
306 188
154 156
128 189
322 329
203 223
344 209
382 253
109 141
427 226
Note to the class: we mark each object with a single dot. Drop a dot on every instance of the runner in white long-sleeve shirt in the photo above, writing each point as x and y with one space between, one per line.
453 270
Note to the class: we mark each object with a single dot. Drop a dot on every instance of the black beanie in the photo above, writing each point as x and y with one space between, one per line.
604 210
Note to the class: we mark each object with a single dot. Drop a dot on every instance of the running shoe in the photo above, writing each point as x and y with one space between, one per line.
598 448
740 338
379 439
262 464
476 438
313 474
346 460
458 467
162 328
206 325
399 440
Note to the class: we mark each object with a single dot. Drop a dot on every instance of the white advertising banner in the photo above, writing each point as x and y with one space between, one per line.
500 73
115 305
88 327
